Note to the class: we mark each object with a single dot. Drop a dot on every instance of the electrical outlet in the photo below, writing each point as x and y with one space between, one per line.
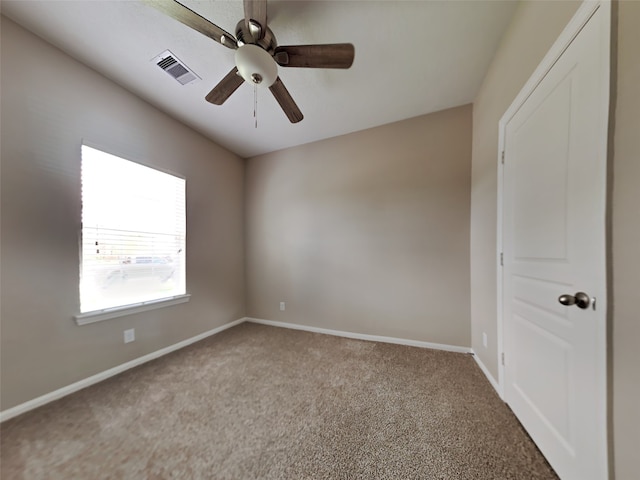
484 340
129 335
282 306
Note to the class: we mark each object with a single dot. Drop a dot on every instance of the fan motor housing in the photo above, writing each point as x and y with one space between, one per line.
267 42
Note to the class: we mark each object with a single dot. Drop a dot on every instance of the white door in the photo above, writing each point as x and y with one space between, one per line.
554 190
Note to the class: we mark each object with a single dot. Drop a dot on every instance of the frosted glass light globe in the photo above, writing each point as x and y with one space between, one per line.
256 66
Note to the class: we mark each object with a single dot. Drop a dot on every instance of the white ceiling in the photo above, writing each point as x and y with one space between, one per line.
412 58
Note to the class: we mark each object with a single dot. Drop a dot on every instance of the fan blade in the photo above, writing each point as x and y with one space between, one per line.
225 88
283 97
191 19
255 16
331 55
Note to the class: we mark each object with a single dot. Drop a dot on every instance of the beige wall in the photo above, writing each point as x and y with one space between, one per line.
535 27
366 233
626 246
50 103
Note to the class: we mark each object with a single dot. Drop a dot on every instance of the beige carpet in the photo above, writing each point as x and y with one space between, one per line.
258 402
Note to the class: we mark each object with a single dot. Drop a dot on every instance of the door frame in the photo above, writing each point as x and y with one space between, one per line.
575 25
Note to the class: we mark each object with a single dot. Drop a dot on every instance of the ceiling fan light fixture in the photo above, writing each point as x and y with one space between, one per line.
256 65
258 54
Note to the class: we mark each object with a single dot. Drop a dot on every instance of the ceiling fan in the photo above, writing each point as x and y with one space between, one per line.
258 54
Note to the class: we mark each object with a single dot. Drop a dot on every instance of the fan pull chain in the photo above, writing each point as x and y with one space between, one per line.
255 104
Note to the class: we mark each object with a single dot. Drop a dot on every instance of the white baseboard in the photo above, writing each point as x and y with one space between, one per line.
99 377
362 336
487 374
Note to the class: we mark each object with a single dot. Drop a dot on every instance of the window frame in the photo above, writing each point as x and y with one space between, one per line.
124 310
84 318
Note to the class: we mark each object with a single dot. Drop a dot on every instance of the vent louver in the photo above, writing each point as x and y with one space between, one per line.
168 62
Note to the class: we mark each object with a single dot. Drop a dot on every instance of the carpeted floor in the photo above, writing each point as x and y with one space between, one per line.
257 402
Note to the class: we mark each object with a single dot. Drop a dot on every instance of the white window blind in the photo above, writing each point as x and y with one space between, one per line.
133 233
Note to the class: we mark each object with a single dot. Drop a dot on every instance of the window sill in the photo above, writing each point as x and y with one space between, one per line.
114 312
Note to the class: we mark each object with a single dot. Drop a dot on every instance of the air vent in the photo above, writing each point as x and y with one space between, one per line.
168 62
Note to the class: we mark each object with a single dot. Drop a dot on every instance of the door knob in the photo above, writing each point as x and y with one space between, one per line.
580 299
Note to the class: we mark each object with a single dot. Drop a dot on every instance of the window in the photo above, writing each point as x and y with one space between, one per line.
133 233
